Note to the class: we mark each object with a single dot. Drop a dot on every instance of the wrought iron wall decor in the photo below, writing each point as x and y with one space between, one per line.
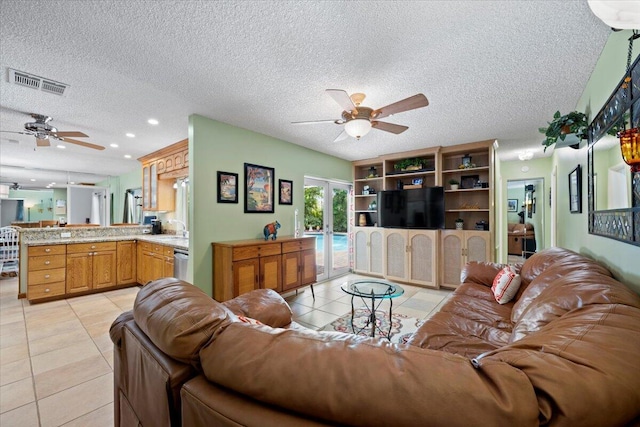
620 224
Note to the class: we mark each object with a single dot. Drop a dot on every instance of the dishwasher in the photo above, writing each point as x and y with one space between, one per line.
180 261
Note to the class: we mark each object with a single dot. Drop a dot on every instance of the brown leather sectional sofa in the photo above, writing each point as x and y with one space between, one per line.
565 352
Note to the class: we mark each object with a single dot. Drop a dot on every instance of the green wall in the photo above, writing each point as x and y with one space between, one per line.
39 200
216 146
620 258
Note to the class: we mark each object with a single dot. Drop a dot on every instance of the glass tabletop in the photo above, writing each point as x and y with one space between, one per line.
372 288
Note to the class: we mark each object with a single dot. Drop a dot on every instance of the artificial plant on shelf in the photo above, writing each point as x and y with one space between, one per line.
403 164
573 123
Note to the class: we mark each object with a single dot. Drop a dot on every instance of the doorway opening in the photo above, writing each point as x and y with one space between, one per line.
525 218
326 216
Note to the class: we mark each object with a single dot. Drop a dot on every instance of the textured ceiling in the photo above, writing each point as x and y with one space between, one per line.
490 69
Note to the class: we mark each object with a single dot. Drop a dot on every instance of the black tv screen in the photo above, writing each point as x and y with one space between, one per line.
416 208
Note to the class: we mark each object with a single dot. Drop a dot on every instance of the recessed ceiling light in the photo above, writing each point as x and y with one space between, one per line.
53 183
131 135
113 145
127 156
61 146
152 122
32 180
72 182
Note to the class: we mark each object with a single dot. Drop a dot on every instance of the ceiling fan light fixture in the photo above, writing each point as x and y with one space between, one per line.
357 128
621 15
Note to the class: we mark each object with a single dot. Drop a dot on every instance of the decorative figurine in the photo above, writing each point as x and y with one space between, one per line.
271 228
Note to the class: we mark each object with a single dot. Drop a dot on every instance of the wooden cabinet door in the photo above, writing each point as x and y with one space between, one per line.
153 186
140 263
104 269
126 262
167 266
478 247
156 270
246 276
79 272
308 274
396 254
361 251
270 271
452 257
290 270
422 257
146 186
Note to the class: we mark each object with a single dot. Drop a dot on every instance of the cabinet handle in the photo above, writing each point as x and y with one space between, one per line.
93 246
47 262
47 290
46 276
47 250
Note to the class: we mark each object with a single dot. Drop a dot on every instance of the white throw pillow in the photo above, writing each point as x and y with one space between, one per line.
505 285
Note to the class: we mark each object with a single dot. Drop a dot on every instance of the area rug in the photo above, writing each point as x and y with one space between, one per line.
402 326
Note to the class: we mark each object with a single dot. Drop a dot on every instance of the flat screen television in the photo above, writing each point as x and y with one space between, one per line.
416 208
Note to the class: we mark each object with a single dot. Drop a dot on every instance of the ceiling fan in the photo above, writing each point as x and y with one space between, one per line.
44 132
358 120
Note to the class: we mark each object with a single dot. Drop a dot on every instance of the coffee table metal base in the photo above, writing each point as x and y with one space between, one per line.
371 317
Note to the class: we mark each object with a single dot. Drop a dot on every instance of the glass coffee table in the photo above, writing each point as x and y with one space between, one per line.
374 289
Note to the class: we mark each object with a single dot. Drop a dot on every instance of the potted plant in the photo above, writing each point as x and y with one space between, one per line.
459 224
574 123
454 183
414 163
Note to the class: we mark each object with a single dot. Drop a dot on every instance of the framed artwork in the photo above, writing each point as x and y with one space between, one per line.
227 187
575 190
259 193
286 192
512 205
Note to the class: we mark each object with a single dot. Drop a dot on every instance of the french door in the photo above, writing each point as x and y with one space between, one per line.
326 216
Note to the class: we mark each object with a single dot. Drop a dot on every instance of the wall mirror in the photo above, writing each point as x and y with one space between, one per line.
614 191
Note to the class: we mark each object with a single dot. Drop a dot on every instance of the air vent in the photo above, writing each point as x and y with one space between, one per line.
35 82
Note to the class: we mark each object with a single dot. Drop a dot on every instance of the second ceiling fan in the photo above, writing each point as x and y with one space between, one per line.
358 120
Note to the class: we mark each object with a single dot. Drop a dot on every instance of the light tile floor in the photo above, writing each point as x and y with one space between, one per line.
56 358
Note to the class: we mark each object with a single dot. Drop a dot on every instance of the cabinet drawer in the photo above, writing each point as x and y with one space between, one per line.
168 251
145 246
47 250
91 247
298 245
46 276
47 262
45 291
248 252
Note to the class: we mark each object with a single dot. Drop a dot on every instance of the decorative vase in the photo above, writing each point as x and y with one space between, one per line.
459 225
454 186
362 220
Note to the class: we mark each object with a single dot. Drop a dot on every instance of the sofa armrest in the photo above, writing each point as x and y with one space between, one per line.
115 331
264 305
482 273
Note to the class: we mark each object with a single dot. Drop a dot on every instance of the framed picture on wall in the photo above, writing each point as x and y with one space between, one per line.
286 192
512 205
258 193
575 190
227 187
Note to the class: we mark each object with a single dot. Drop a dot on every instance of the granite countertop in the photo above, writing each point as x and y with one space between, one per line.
164 239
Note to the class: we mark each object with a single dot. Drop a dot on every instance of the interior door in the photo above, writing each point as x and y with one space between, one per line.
326 216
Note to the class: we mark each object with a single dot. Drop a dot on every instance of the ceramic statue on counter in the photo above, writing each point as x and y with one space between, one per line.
271 229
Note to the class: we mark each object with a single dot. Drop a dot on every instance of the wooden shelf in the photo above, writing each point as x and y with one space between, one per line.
467 210
479 168
464 190
366 195
377 178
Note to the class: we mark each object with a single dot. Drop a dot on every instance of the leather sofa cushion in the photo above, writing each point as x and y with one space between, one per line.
329 376
264 305
555 263
178 317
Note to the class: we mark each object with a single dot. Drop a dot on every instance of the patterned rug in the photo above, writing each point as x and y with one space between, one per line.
402 326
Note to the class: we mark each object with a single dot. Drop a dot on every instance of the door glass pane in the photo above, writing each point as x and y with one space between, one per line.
339 247
314 222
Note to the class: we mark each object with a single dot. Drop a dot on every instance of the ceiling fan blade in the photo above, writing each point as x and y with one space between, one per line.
42 142
11 131
83 143
313 122
342 98
74 134
389 127
411 103
343 135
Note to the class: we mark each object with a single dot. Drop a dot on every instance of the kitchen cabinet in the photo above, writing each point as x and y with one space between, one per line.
156 262
126 260
159 171
368 247
243 265
411 256
46 271
90 266
459 247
